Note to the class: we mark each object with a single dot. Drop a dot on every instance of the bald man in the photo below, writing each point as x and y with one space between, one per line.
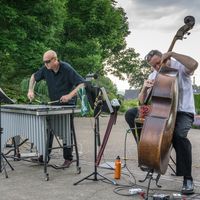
63 83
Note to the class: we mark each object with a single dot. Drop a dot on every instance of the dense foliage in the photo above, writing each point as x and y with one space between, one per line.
93 31
89 34
28 28
126 65
83 32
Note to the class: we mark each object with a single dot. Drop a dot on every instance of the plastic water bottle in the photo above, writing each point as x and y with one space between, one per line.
117 174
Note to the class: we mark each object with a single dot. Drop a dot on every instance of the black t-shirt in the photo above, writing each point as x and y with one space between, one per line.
60 83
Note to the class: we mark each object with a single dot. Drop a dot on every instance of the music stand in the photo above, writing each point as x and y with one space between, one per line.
99 103
3 99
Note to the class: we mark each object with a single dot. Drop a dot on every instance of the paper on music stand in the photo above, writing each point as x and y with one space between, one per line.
4 98
105 96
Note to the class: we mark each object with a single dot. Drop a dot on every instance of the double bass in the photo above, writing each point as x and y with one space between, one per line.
155 144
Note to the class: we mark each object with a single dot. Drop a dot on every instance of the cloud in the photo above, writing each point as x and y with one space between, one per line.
153 24
164 15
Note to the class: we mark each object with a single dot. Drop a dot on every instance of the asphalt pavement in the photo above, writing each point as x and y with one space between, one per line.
28 182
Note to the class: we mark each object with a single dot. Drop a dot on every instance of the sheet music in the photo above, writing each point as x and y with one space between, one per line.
107 100
4 98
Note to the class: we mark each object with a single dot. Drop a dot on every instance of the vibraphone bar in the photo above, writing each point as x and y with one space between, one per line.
34 122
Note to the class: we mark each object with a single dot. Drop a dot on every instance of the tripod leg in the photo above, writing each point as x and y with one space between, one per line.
95 179
95 173
111 181
4 168
3 156
73 133
149 183
85 178
174 172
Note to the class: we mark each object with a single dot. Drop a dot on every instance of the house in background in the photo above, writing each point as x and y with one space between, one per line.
133 93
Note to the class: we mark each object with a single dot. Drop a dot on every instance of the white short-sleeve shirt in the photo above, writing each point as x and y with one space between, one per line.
186 97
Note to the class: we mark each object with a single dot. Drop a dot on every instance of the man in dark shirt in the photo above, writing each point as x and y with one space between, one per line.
63 83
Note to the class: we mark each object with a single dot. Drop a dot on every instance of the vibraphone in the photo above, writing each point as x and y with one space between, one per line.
35 123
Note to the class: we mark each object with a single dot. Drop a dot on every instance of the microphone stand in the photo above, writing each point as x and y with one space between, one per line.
95 174
3 99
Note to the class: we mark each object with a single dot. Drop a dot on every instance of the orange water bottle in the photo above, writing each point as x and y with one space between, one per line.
117 174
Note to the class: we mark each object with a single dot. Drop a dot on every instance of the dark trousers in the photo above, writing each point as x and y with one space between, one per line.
130 117
182 144
67 151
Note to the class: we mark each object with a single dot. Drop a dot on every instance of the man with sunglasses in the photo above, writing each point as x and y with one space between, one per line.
63 83
185 111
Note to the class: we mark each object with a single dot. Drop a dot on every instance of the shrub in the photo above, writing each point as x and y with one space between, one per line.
127 104
197 103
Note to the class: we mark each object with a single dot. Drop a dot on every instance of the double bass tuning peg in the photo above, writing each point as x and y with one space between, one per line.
188 33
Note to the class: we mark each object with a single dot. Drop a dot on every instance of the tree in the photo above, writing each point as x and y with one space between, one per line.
94 30
105 82
126 64
86 33
28 29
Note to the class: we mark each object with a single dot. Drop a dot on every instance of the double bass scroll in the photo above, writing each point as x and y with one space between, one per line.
180 35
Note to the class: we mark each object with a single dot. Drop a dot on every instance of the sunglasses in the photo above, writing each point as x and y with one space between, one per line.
48 61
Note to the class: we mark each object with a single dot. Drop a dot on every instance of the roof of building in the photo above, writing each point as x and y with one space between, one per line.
131 94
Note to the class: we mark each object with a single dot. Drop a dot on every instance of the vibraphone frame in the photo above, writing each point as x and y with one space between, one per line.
36 122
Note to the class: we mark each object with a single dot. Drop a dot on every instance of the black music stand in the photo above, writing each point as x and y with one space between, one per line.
99 102
3 99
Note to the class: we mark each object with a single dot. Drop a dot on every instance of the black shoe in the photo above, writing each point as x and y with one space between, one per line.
40 159
145 169
188 187
67 163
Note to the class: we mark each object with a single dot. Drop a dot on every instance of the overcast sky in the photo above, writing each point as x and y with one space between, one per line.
154 23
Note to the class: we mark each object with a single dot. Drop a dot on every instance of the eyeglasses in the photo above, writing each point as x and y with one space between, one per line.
48 61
